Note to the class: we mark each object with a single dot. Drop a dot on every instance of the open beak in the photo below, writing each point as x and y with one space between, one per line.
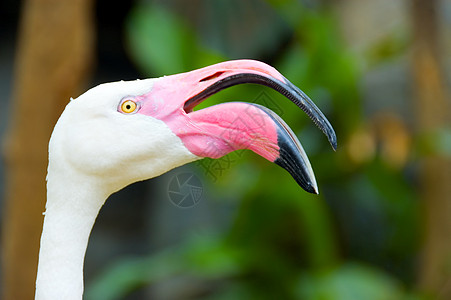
218 130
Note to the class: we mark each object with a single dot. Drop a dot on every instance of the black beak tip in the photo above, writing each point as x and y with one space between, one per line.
311 189
333 143
292 156
293 159
332 137
299 174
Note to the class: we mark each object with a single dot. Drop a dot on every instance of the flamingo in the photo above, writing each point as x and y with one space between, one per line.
122 132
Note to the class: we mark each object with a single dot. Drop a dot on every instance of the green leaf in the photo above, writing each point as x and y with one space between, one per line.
349 282
161 44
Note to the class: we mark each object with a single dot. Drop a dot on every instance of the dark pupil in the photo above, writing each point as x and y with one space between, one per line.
128 106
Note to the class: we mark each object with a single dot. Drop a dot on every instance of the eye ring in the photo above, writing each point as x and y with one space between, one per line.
128 106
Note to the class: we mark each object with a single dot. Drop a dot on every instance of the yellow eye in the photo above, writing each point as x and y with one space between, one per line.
128 106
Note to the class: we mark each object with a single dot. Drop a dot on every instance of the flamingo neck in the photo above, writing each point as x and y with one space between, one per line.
73 203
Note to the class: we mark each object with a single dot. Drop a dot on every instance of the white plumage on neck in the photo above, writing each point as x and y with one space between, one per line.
71 210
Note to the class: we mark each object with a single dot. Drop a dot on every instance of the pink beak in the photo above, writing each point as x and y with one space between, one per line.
218 130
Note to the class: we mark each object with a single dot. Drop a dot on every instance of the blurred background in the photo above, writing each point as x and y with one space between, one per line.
380 72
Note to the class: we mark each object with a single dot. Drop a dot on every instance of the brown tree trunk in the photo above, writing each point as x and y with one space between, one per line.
433 114
55 50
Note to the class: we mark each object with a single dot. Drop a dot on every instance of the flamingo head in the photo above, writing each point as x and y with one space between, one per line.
121 132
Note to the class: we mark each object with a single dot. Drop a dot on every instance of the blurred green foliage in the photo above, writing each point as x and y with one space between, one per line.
357 240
